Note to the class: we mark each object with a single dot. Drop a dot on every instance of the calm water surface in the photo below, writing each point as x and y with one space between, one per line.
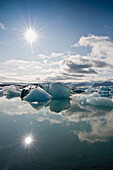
65 135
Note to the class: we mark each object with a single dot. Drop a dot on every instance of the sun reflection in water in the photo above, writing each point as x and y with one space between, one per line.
28 141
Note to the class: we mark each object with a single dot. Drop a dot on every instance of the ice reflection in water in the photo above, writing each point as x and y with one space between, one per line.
61 125
61 111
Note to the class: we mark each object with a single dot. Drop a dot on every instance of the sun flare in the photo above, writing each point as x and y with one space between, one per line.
31 35
28 140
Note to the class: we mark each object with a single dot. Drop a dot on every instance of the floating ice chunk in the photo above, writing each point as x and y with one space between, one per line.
58 90
111 92
1 92
95 99
91 90
104 88
104 93
37 94
46 88
13 93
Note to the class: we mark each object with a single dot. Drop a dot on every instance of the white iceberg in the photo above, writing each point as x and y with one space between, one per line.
104 93
104 88
46 88
90 90
95 99
1 92
111 92
37 94
58 90
11 91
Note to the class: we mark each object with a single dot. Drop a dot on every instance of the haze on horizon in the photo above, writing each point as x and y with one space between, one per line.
56 40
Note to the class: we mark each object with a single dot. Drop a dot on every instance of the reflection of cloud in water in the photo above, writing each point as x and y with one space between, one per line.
51 120
100 119
101 130
14 106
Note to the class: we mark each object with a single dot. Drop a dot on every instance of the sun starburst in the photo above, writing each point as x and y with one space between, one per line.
30 35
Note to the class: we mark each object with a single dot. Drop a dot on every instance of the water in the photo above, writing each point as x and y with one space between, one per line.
66 136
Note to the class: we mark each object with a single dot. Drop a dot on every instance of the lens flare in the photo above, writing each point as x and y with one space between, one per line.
31 35
28 140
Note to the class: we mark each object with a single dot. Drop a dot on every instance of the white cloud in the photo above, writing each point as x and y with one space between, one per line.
101 131
101 46
2 26
66 67
52 55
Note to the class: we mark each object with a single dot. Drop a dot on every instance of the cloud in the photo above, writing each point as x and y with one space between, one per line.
100 64
2 26
73 67
52 55
65 66
101 46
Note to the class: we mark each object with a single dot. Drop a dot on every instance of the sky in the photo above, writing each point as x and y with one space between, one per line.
74 40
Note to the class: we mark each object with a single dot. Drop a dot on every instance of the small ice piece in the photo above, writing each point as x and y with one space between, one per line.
46 88
104 88
95 99
111 92
104 93
37 94
13 93
58 90
1 92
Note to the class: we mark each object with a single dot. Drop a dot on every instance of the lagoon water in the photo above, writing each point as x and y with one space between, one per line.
66 135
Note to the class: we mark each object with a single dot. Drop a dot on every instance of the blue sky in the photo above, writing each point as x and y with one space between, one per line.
75 41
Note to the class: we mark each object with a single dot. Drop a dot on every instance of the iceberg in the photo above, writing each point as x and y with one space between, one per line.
105 88
37 94
58 90
45 93
104 93
11 91
26 91
1 92
95 99
90 90
111 92
46 88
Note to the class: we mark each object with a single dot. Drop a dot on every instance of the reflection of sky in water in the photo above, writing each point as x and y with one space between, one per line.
67 135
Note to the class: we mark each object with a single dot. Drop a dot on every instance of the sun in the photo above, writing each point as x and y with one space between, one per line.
28 141
30 35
